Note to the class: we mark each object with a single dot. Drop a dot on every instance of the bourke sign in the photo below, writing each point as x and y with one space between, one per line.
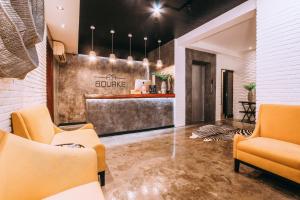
110 81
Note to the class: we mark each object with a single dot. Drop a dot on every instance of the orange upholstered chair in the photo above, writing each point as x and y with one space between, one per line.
35 124
275 144
32 171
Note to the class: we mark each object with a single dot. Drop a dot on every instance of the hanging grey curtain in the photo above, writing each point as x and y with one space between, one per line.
21 27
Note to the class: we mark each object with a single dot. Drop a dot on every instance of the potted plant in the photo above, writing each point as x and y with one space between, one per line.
163 77
250 87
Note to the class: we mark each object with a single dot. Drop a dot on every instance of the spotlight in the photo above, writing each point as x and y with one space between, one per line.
156 9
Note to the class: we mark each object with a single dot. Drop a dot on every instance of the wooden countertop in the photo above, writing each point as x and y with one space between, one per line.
128 96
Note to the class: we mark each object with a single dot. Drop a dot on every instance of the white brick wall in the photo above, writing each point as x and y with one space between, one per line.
16 94
244 73
278 51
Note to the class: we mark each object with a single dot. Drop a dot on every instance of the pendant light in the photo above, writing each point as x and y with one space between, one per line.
92 54
112 56
159 63
145 60
130 58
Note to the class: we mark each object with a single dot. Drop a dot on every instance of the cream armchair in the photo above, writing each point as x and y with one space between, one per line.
32 171
35 124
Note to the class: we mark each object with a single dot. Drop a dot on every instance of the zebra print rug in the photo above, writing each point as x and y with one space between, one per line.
210 133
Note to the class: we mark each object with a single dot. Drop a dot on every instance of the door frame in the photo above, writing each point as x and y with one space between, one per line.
49 80
222 89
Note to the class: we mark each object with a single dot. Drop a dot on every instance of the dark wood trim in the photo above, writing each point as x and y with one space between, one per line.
49 80
129 96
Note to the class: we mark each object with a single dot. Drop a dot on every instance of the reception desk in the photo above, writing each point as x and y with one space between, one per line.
129 113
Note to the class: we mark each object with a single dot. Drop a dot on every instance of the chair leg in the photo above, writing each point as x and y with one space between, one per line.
102 178
236 165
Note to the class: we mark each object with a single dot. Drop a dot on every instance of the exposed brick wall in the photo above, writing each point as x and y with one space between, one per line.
278 51
244 72
16 94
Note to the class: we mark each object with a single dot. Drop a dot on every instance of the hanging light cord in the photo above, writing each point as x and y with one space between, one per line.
130 46
145 47
159 49
92 39
112 42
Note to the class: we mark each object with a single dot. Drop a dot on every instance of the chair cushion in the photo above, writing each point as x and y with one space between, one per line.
91 191
275 150
85 137
38 123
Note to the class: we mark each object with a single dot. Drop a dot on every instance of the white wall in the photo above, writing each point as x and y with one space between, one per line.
244 72
179 108
278 51
16 94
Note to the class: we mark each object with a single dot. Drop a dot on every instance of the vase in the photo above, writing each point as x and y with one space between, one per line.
250 96
164 87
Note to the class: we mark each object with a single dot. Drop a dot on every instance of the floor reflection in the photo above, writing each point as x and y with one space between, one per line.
167 164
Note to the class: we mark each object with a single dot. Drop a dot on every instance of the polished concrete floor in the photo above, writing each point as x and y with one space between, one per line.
167 164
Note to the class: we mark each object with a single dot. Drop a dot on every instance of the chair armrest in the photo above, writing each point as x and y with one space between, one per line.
100 149
57 129
87 126
237 138
35 171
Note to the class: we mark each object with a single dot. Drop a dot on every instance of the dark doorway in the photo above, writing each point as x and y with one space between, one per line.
198 93
227 93
49 83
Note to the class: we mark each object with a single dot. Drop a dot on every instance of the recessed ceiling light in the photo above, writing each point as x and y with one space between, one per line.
250 48
156 9
63 25
59 8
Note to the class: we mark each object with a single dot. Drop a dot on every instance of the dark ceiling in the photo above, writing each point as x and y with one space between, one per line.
134 16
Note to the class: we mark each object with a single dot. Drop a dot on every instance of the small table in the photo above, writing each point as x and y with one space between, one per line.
249 111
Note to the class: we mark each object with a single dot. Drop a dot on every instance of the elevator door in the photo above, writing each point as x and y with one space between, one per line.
198 93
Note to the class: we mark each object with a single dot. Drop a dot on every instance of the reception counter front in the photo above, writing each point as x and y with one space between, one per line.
128 113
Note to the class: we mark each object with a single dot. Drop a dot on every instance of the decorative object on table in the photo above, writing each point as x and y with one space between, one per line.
135 92
210 133
139 83
159 63
250 88
152 89
18 36
164 78
170 85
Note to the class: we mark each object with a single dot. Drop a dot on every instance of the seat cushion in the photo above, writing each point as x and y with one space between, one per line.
91 191
85 137
275 150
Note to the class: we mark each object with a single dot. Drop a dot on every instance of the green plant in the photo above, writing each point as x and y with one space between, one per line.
162 76
250 86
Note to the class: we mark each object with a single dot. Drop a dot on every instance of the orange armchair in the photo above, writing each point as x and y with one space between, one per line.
35 124
31 170
275 144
